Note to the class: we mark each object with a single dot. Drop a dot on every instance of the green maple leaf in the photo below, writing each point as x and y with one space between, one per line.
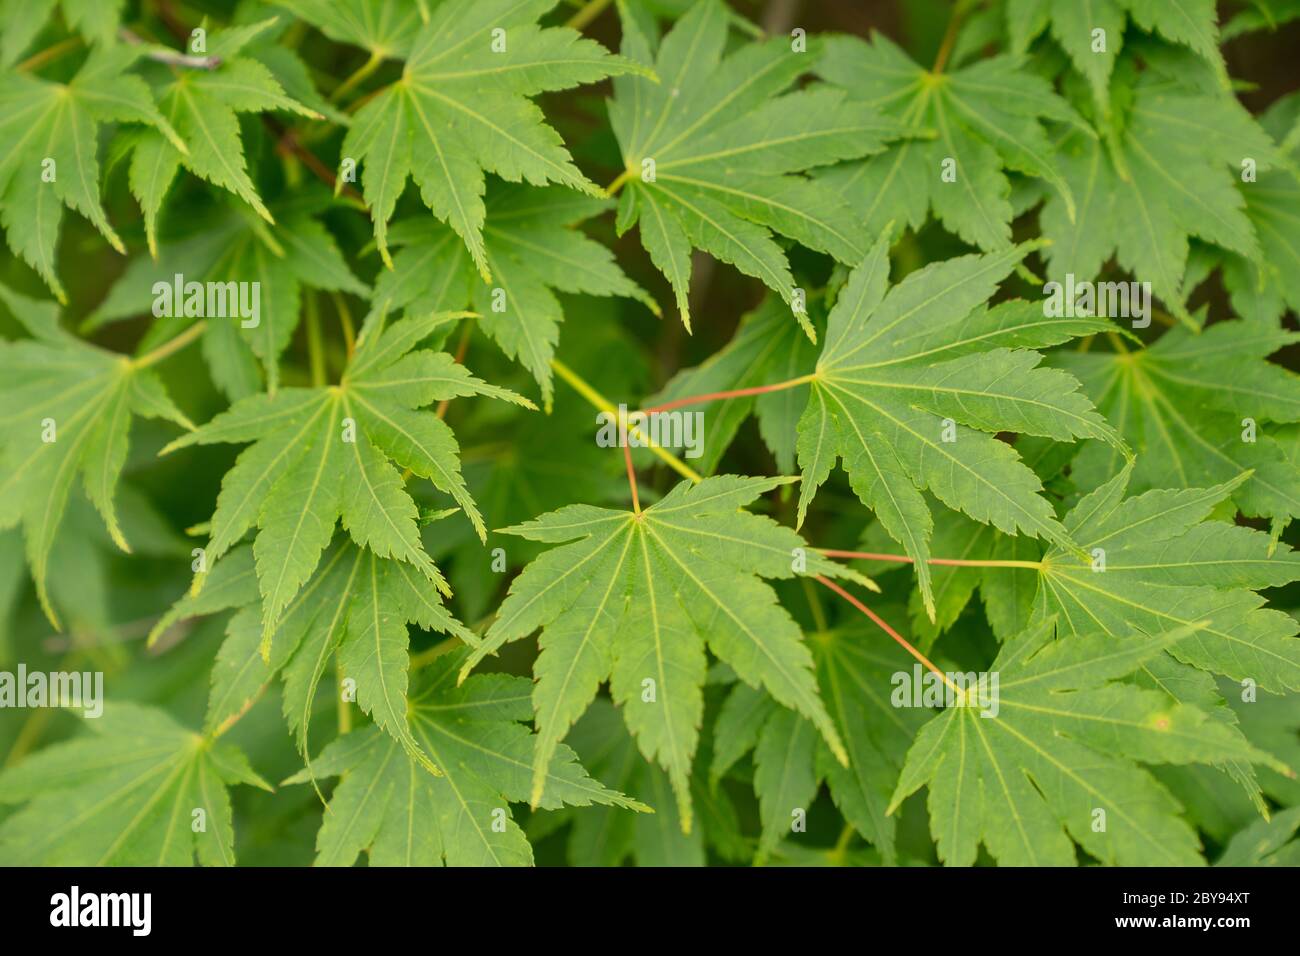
1191 23
1064 743
462 109
320 454
726 144
21 20
68 411
388 805
204 106
635 598
987 118
124 795
1265 287
1166 567
533 250
1161 565
1165 175
899 367
234 245
356 609
1199 409
51 135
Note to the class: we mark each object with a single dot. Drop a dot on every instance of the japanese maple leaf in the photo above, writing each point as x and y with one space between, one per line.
533 249
635 597
1199 409
987 118
51 137
356 609
1060 754
204 106
712 151
1092 34
1154 564
68 412
1167 170
320 454
235 246
474 732
124 794
1264 287
914 382
462 108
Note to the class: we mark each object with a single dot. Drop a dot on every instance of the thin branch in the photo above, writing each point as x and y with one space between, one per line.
170 346
880 622
48 55
779 16
732 393
631 479
345 320
359 76
603 404
949 562
170 57
234 718
959 11
288 143
589 11
613 188
461 348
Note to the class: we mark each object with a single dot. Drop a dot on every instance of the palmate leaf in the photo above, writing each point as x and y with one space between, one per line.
634 598
901 367
319 454
726 142
124 795
389 806
51 136
68 411
462 108
1192 23
1199 409
355 609
235 245
987 119
1154 562
533 250
361 605
1264 288
204 106
1165 566
1064 743
1169 174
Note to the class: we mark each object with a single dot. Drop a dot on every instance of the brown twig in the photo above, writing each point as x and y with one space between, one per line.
171 57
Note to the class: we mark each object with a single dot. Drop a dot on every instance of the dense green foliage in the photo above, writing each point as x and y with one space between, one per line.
306 415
